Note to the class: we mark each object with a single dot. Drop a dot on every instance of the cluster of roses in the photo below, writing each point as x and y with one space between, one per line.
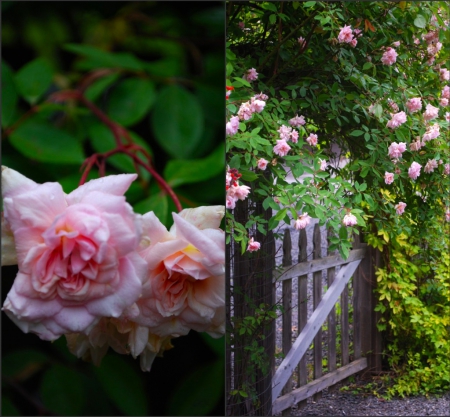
347 35
234 191
246 110
103 276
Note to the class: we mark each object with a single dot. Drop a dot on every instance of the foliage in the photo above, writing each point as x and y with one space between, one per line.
348 93
154 73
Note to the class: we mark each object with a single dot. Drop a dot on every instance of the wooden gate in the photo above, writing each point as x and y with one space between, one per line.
366 339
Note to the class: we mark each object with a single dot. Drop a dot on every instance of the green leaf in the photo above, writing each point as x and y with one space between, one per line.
178 172
235 162
420 21
248 175
22 363
66 399
94 91
42 142
356 133
106 59
131 100
34 79
123 385
178 121
309 4
198 394
273 18
158 203
367 65
280 215
9 95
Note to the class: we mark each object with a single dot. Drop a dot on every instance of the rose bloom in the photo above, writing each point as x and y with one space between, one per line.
446 92
431 112
414 170
245 112
430 166
76 253
285 132
281 148
261 96
353 43
241 25
301 42
400 208
396 149
262 163
414 104
388 177
297 121
396 44
389 57
184 287
251 75
443 102
257 106
253 246
232 126
345 35
416 145
323 164
447 215
397 120
444 74
294 136
302 221
312 139
349 220
447 116
432 132
447 169
393 105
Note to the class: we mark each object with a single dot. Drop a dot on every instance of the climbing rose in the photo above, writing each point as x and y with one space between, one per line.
388 177
444 74
430 166
431 112
389 57
414 170
262 163
416 145
253 246
251 75
285 132
257 106
312 139
232 126
446 92
353 43
302 221
281 148
443 102
447 169
447 215
294 136
349 220
297 121
76 253
323 164
184 287
432 132
396 150
396 44
397 120
345 35
414 104
245 112
400 208
301 42
447 116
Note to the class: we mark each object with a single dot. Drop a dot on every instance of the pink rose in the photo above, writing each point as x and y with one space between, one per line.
400 208
345 35
185 284
414 104
414 170
444 74
447 116
251 75
257 106
432 132
302 221
312 139
430 166
443 102
262 163
76 253
388 177
431 112
297 121
323 164
389 57
232 126
446 92
397 120
349 220
447 215
396 149
281 148
285 132
253 246
447 169
294 136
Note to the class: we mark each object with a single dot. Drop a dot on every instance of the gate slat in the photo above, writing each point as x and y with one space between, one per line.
331 320
302 343
317 296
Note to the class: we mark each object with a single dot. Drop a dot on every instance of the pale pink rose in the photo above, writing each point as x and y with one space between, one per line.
396 44
230 202
76 253
302 221
444 74
400 208
301 42
358 32
431 112
285 132
447 215
443 102
393 105
312 139
251 75
261 96
262 163
389 57
297 121
388 177
281 148
430 166
447 169
414 170
232 126
241 191
353 43
349 220
253 246
257 106
323 164
185 283
416 145
396 149
245 112
414 104
9 255
294 136
446 92
397 120
447 116
432 132
345 35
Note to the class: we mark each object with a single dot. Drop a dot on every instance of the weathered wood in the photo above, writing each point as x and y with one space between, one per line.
309 267
331 272
357 301
317 296
376 334
287 308
302 370
313 325
320 384
344 326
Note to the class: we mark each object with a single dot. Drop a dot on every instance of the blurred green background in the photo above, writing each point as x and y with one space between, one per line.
159 69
